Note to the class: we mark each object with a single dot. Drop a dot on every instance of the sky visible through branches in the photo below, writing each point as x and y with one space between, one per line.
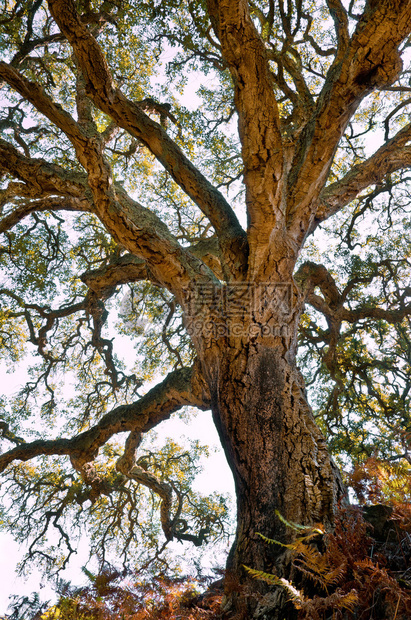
216 475
322 147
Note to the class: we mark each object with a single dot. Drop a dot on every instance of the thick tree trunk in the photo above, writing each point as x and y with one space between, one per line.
276 452
278 457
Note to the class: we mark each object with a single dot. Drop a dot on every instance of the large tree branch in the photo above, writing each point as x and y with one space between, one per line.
258 117
208 250
137 228
35 94
40 177
392 156
181 387
370 61
390 316
170 524
129 268
331 305
127 465
122 270
45 204
42 187
49 318
130 116
340 18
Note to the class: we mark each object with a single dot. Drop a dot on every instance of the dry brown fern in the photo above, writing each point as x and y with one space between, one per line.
345 580
160 599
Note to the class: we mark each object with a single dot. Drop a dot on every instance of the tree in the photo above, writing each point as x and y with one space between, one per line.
87 139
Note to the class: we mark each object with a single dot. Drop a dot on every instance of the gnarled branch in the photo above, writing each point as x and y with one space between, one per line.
392 156
371 61
181 387
259 123
130 116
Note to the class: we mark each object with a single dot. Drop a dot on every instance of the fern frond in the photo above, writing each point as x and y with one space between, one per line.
297 545
295 595
88 574
332 577
294 546
270 541
318 529
267 577
337 600
318 567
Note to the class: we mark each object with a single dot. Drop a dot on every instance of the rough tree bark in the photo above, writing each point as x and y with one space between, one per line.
246 341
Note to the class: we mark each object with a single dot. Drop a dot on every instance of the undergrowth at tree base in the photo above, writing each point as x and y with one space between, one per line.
360 571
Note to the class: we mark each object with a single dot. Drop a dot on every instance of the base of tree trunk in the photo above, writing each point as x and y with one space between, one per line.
369 554
273 605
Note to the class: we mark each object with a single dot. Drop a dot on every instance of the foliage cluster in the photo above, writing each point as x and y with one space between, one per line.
379 481
109 596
